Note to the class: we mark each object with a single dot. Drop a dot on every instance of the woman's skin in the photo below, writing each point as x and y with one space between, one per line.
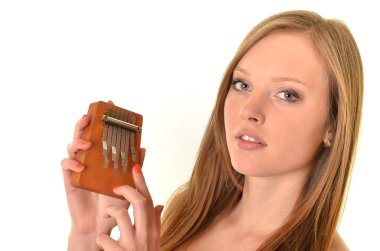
278 96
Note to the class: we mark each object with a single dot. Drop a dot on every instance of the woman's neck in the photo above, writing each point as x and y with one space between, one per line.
267 201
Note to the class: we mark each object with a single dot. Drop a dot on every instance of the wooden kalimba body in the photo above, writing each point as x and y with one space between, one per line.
115 134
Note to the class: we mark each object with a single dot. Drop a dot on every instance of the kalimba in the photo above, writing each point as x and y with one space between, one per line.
115 134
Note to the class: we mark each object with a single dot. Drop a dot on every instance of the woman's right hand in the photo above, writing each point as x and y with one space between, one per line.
86 208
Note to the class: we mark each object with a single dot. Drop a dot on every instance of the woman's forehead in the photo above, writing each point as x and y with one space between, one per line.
289 54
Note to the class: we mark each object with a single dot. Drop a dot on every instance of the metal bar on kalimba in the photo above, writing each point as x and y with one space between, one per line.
122 123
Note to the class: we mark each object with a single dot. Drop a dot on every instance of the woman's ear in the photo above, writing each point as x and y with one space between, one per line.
327 138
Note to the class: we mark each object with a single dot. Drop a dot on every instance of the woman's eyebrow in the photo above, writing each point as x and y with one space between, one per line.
285 79
274 79
237 68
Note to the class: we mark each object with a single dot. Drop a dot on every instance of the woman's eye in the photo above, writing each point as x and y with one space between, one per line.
288 95
240 85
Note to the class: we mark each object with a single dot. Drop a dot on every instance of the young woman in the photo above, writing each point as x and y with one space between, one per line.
274 163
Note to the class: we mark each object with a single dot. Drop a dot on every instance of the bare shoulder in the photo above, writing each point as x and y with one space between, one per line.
338 244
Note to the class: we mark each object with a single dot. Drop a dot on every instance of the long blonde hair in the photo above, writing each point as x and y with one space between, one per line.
215 187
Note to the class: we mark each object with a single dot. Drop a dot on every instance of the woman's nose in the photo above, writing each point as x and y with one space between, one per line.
252 109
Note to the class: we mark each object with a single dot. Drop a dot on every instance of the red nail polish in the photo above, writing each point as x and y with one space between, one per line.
138 168
85 142
79 165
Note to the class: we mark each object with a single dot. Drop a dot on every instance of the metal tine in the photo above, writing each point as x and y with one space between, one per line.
104 143
126 146
113 143
118 143
124 160
109 138
133 148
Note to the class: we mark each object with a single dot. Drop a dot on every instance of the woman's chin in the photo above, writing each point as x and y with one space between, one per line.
251 169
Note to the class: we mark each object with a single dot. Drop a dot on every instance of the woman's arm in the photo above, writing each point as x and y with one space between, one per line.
82 242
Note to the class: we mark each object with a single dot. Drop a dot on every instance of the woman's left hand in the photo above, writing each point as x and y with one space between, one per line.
144 234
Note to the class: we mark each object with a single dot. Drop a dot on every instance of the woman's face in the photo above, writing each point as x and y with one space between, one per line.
276 109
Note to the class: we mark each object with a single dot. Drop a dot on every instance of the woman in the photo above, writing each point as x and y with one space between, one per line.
274 164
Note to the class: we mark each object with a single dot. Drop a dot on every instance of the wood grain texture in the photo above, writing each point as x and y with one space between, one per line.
95 177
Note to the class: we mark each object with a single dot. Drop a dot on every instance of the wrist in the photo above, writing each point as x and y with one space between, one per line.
80 241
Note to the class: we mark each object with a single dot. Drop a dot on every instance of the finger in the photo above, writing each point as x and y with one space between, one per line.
140 210
80 125
77 144
107 243
68 165
72 165
156 234
107 226
142 155
111 102
123 221
158 211
140 183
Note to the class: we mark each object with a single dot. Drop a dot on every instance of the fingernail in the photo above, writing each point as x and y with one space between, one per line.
138 168
84 116
79 165
85 142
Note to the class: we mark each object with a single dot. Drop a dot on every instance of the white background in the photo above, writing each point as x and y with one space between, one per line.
161 59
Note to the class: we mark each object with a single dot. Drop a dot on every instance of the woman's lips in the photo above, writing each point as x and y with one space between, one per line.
248 145
249 135
247 140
